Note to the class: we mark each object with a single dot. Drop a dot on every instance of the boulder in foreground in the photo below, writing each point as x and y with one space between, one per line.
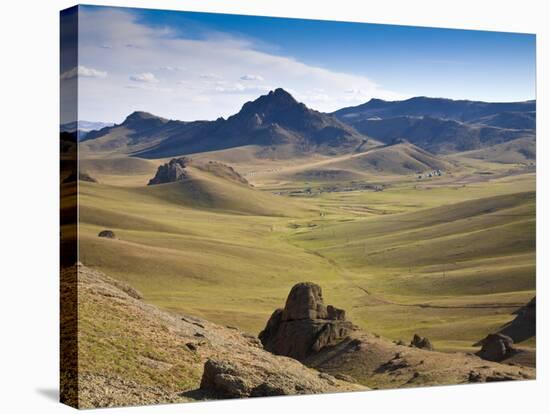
169 352
496 347
321 338
305 325
234 378
421 342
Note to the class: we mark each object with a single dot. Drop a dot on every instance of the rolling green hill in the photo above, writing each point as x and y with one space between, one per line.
376 164
207 190
450 261
473 258
394 159
279 194
522 150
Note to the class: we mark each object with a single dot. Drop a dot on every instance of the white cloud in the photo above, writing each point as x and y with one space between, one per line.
353 95
210 76
203 90
252 78
148 87
235 87
82 71
239 88
145 77
316 95
172 68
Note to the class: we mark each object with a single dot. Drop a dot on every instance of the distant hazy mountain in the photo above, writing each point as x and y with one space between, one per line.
142 125
273 120
83 127
442 125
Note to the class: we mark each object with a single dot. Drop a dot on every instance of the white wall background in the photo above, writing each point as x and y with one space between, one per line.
29 203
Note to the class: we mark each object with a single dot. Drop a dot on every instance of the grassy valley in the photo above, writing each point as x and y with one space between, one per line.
450 257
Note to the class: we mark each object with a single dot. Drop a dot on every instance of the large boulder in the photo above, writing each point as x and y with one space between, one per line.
305 325
262 377
171 172
496 347
109 234
421 342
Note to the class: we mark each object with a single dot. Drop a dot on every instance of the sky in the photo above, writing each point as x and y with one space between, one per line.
189 66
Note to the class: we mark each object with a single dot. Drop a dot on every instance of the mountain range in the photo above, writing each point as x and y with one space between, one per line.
83 127
443 125
457 110
284 127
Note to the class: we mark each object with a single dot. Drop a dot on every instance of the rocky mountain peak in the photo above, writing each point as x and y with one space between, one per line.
374 102
276 101
281 94
141 119
139 115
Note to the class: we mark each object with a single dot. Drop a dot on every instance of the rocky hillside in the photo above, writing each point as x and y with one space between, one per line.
131 353
320 336
275 119
176 170
523 326
286 128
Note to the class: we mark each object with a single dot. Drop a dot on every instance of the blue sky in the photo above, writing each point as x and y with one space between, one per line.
407 59
199 65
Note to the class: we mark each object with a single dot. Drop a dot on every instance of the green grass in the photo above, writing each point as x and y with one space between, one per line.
222 264
231 253
117 338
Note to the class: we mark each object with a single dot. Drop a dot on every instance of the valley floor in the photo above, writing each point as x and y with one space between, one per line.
450 257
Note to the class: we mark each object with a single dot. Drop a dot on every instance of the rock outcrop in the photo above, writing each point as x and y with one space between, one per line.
421 342
524 325
171 172
321 338
496 347
231 378
305 325
379 363
173 358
